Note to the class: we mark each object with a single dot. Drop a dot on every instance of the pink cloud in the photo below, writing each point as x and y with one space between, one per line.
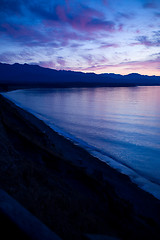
143 40
87 19
60 10
46 64
105 2
138 31
148 67
93 60
150 4
61 62
108 45
120 27
46 36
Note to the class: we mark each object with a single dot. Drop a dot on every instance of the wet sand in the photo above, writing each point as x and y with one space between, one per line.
69 190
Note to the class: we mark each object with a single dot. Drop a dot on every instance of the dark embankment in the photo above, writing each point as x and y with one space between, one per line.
70 191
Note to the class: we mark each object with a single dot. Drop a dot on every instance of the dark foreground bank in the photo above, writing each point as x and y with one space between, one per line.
70 191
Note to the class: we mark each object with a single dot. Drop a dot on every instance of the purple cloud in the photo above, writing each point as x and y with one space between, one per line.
86 28
144 40
105 2
24 34
31 36
61 62
21 56
83 18
156 34
127 16
7 57
46 64
98 24
57 25
87 20
150 4
94 61
157 14
142 67
108 45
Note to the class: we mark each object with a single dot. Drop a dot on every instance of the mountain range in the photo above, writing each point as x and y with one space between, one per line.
25 75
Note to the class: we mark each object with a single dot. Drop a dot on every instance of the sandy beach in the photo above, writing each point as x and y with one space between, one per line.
69 190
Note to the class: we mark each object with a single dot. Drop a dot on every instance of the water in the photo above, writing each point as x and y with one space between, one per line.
120 126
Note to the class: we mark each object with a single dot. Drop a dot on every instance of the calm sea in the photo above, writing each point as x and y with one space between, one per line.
120 126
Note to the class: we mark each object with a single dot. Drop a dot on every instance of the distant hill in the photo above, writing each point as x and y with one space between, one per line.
24 75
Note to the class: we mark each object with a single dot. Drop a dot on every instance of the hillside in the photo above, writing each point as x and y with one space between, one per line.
24 75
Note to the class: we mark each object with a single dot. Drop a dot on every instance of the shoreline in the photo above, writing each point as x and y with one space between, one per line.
144 182
124 200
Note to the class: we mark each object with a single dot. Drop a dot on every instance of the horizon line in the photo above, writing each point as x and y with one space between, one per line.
85 72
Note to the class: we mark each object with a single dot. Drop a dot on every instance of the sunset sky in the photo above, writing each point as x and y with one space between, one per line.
118 36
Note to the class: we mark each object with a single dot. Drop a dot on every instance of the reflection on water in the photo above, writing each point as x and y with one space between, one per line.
119 125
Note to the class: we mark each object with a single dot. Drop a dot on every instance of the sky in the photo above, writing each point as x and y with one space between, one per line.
101 36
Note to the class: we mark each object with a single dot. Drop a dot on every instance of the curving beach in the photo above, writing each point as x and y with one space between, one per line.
69 190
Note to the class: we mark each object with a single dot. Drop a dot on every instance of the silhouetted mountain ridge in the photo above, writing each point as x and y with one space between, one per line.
23 75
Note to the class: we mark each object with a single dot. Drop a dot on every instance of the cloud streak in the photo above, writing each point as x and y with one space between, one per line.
69 34
146 41
127 67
